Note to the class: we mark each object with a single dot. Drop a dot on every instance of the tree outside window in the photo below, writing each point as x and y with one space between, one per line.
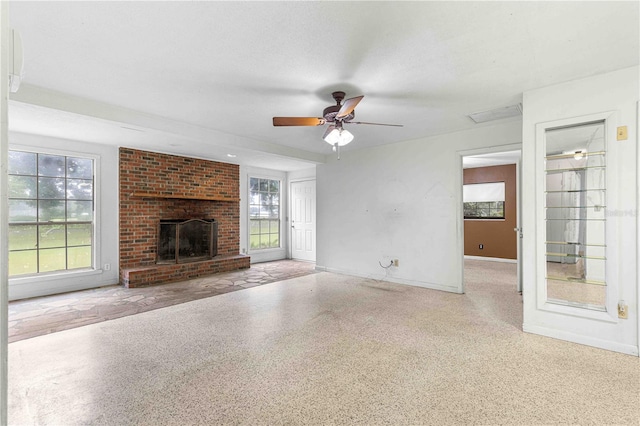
264 213
483 200
50 213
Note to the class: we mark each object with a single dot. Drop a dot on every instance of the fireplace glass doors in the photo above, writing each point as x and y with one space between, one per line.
181 241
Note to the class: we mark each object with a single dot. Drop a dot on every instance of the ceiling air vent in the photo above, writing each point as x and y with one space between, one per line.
496 114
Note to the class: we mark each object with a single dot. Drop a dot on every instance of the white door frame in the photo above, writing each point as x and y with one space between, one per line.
4 213
638 221
268 254
490 150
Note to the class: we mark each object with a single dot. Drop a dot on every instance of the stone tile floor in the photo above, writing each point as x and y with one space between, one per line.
48 314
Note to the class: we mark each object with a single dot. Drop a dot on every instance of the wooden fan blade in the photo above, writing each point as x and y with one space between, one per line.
374 124
348 106
298 121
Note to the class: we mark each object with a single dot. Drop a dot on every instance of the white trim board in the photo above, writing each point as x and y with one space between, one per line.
491 259
581 339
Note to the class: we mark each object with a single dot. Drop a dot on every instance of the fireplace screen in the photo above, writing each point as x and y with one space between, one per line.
181 241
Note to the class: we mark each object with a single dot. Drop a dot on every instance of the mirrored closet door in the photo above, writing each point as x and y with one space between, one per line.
575 215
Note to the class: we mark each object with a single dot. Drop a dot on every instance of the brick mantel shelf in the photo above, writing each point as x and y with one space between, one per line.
183 197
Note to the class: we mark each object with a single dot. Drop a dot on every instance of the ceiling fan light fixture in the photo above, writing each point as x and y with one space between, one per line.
337 135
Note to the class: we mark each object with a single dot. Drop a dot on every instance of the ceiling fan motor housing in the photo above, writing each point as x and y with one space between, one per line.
330 113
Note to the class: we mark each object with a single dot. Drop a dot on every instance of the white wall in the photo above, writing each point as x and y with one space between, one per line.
107 231
298 175
264 255
400 201
614 95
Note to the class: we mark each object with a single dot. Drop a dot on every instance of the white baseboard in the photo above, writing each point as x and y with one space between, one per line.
267 255
383 277
581 339
491 259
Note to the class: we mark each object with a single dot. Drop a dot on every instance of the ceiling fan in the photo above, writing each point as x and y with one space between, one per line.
336 115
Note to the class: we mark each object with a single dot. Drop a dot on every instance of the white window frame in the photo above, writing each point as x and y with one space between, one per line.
485 192
96 256
281 233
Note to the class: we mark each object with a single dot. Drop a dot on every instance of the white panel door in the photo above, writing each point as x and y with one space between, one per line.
303 220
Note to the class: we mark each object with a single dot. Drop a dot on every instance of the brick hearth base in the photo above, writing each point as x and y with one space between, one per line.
164 273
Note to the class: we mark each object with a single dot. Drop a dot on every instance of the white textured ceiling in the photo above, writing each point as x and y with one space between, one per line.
205 78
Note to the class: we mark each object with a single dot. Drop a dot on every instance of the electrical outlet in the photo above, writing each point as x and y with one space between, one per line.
395 262
107 267
623 310
481 246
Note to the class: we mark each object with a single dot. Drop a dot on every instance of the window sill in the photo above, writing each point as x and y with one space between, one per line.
265 250
53 276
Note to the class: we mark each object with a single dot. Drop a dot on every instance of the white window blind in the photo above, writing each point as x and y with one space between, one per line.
482 192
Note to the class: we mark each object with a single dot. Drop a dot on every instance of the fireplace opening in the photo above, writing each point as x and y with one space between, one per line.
182 241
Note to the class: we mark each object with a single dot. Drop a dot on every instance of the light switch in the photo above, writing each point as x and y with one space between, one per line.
622 133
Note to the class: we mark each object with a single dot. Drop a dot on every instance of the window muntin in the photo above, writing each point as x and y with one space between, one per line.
483 200
264 213
51 218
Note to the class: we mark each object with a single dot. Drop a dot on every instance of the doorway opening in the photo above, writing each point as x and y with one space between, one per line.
491 237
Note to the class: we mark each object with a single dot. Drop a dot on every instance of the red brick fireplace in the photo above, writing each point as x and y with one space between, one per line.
157 186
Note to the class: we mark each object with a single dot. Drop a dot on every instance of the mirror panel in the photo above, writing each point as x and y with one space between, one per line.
575 206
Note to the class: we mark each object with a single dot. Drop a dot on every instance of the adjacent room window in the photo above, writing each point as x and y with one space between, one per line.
483 200
264 213
51 215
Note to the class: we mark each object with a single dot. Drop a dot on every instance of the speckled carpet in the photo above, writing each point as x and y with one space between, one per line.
49 314
331 349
